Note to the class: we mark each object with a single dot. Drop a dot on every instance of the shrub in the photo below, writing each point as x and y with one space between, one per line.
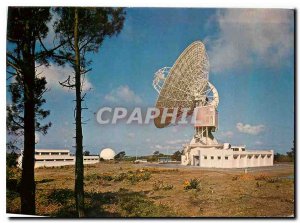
13 178
120 177
92 177
267 179
168 187
131 176
107 177
138 205
273 180
160 185
262 177
145 176
192 184
60 196
258 184
11 159
234 178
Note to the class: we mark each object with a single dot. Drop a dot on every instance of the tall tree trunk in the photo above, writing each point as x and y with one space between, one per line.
79 191
27 180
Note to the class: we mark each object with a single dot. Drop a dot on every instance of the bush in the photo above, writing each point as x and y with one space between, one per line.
60 196
92 177
13 178
262 177
160 185
145 176
138 205
273 180
107 177
120 177
267 179
11 159
131 176
192 184
235 178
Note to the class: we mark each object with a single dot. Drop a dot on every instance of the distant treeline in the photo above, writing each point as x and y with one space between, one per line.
176 156
283 158
288 157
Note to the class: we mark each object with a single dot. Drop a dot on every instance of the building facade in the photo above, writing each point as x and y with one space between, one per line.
233 157
57 157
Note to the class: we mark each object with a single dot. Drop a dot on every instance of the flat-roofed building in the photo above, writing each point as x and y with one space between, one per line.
220 156
57 157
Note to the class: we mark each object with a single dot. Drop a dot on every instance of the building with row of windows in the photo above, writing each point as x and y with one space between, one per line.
222 156
57 157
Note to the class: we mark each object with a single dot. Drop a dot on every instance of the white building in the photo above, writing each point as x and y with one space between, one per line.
224 156
57 157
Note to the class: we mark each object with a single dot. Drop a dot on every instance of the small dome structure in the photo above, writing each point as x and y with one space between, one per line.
107 154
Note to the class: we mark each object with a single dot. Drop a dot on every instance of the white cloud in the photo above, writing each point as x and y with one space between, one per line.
227 134
163 147
158 146
250 129
123 94
249 35
148 140
55 74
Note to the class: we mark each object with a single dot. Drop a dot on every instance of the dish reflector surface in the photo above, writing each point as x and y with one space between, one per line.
187 78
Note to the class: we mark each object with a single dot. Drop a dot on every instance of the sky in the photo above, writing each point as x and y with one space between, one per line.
251 55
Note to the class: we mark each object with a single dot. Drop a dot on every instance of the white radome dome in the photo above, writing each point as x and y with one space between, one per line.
107 154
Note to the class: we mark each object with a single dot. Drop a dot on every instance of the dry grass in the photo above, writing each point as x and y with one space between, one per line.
128 190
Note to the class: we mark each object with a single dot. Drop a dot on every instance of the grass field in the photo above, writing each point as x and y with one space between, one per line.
133 190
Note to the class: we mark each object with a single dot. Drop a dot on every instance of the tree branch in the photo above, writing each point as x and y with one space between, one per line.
67 83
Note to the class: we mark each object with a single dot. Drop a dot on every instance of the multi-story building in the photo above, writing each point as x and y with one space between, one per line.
221 156
57 157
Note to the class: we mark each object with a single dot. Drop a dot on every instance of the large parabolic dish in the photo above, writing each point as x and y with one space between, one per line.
179 85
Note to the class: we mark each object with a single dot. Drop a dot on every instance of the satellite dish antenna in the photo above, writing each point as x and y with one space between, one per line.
186 85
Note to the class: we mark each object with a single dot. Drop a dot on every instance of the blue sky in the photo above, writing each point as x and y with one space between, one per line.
251 54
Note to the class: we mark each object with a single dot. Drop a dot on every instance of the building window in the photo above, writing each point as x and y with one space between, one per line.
235 157
235 149
226 157
44 153
212 157
54 153
219 157
63 153
249 157
37 153
243 149
205 157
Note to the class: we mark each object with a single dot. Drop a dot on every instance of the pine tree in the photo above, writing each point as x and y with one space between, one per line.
83 30
26 28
